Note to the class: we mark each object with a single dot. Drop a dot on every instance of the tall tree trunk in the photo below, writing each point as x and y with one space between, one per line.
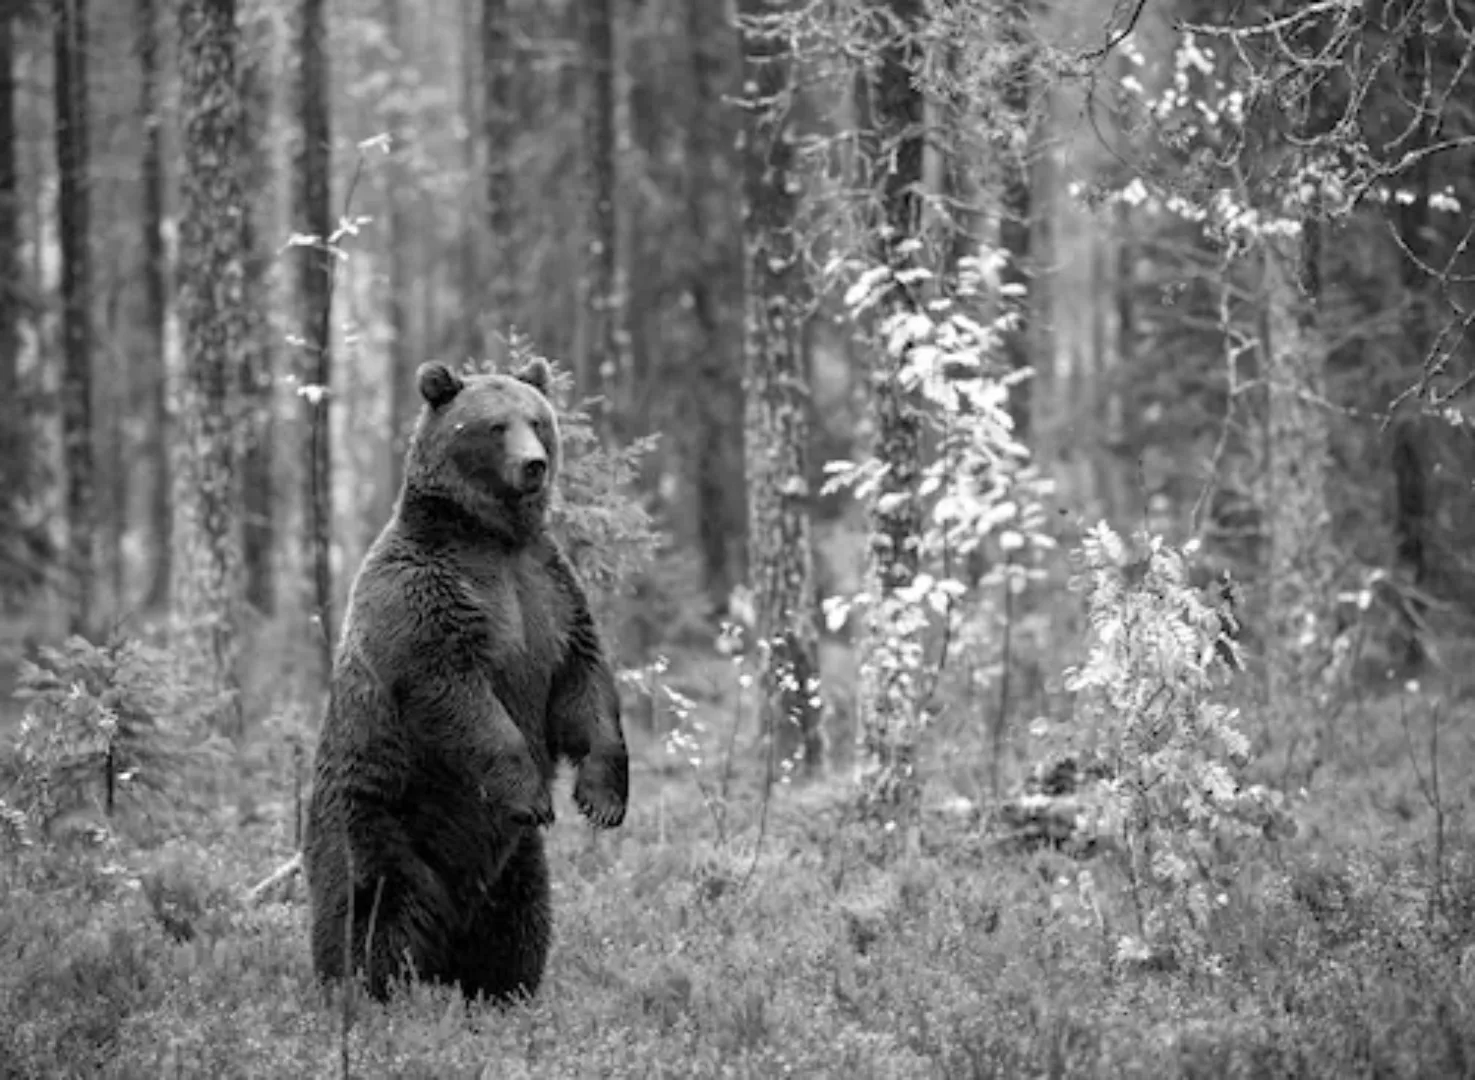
73 200
607 367
1299 552
111 477
206 590
1410 451
780 547
1298 519
1013 142
716 452
315 273
14 481
156 305
399 240
497 61
258 534
1112 337
892 144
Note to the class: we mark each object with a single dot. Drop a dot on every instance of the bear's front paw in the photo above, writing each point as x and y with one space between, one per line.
601 788
538 812
531 807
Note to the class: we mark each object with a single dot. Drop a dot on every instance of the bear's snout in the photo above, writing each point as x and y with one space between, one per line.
532 475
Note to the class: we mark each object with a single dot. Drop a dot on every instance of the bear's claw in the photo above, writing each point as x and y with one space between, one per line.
601 790
603 811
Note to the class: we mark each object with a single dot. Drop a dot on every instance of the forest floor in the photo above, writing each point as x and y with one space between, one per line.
709 938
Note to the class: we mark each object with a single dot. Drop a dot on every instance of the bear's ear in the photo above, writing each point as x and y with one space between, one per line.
536 374
438 384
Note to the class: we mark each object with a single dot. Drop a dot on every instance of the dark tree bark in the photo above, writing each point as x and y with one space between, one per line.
313 213
206 590
780 547
1410 450
961 169
74 205
606 368
497 61
13 441
715 393
155 271
1111 485
1012 144
258 533
892 145
111 477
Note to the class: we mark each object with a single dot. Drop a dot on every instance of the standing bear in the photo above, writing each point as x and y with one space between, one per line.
469 666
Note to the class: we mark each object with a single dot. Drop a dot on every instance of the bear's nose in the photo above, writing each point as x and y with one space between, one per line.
534 472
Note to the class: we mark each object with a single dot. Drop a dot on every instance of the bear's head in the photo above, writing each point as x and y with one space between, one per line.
486 449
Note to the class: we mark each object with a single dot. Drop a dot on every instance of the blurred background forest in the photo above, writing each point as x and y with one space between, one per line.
1232 262
1049 423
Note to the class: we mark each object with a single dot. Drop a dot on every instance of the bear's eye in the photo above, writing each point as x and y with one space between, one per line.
499 428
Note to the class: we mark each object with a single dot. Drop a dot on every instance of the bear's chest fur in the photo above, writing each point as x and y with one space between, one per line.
523 619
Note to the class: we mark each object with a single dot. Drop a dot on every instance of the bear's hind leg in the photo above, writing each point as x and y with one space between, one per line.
395 936
505 949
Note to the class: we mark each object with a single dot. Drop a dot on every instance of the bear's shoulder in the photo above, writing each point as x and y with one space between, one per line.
405 598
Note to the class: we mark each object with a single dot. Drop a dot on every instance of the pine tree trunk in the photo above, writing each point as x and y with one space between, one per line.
889 709
607 366
398 240
497 68
74 202
473 299
258 534
716 436
156 304
780 548
206 590
13 423
315 271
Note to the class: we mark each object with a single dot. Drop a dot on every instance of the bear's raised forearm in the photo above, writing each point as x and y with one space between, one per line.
584 710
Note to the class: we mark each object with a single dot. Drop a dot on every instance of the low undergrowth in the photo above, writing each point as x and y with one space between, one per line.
810 949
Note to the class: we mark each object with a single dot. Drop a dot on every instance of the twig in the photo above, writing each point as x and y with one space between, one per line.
1429 789
1115 38
280 876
